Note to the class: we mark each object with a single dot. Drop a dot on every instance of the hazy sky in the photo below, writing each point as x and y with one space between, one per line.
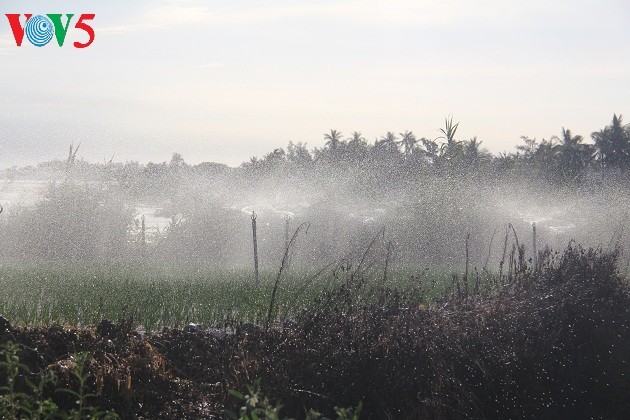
226 80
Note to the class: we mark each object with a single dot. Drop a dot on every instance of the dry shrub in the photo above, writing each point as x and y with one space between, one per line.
552 343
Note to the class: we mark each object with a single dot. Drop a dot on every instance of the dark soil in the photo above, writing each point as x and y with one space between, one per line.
547 343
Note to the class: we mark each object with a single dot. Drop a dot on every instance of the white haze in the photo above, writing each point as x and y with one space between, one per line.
426 223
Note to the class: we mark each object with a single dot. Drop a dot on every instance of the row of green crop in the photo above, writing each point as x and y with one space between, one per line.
155 296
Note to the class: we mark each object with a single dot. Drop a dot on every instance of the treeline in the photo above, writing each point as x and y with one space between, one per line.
566 158
398 158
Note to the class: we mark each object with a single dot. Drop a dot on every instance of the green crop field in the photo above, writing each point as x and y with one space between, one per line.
165 295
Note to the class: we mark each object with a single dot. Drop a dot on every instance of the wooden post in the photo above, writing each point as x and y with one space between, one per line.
467 262
143 237
534 247
256 274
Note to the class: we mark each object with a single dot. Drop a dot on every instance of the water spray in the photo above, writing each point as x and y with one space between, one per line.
256 274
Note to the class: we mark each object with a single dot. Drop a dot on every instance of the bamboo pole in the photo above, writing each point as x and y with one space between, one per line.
534 247
256 274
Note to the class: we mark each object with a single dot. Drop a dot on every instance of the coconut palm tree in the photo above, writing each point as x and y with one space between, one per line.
572 155
387 146
408 142
613 144
473 153
389 141
431 149
334 144
357 147
356 137
333 139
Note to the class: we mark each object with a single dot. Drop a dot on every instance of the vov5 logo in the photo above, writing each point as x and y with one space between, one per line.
39 30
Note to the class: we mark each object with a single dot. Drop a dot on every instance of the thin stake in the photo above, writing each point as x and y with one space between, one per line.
507 234
534 247
467 262
143 236
256 274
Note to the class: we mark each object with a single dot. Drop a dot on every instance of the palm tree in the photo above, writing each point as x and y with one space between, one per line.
357 137
569 144
389 141
613 144
357 147
387 145
473 153
431 149
572 155
333 139
408 143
